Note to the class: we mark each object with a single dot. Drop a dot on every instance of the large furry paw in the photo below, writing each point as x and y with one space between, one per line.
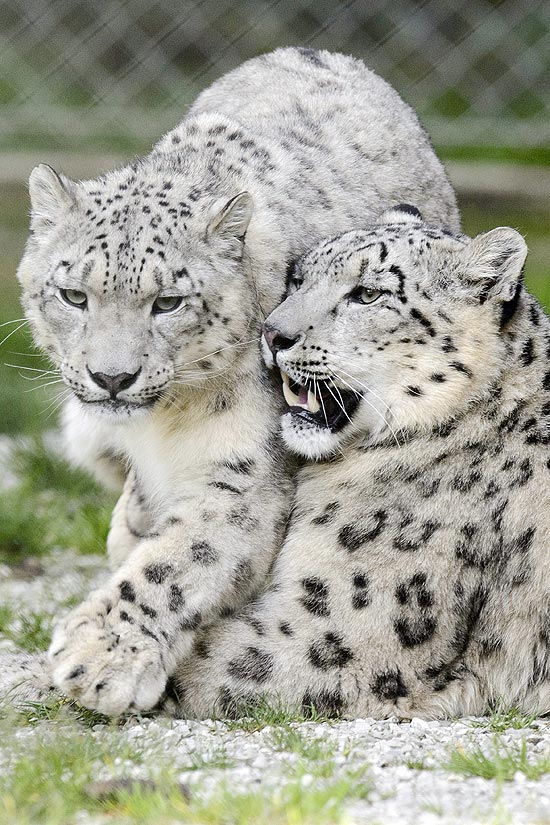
106 660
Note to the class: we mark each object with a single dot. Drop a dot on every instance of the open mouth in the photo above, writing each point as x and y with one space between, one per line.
320 402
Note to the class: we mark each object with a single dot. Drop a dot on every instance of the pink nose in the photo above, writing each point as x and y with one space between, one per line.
276 341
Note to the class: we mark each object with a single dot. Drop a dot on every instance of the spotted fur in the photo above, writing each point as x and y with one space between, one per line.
271 158
414 575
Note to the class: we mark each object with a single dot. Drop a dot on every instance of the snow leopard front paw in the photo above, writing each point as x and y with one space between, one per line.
105 659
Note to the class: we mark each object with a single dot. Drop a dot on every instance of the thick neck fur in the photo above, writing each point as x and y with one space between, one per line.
174 448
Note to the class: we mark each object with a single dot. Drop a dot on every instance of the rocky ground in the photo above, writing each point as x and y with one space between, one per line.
262 769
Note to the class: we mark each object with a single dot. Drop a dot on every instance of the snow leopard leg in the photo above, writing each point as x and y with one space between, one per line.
262 657
131 522
210 555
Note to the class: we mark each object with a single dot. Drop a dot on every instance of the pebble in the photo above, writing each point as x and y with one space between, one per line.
403 762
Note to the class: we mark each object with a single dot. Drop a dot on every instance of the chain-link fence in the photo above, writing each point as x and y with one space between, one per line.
117 73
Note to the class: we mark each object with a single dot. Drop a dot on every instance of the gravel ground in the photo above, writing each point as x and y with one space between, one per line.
402 765
399 794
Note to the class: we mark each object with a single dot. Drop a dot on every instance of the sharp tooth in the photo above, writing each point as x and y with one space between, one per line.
286 379
312 402
290 397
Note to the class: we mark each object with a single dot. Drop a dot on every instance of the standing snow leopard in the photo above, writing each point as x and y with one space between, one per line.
414 577
147 287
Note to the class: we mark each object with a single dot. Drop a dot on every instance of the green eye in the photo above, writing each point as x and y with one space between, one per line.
74 297
363 295
167 303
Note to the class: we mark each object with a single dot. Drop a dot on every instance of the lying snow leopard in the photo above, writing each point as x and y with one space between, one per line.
414 576
147 287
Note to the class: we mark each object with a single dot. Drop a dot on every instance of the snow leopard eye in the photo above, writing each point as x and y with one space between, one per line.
74 297
167 303
363 295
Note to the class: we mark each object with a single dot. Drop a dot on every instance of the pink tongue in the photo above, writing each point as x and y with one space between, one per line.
302 397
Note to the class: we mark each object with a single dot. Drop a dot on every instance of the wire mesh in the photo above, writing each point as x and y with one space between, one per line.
118 73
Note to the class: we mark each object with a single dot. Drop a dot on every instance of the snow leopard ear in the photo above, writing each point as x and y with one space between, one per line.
402 213
230 221
494 263
51 196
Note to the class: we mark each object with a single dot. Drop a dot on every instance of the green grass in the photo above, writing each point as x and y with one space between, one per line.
292 740
52 506
29 631
315 755
501 763
504 718
260 714
47 782
46 140
54 709
41 469
293 805
53 779
417 765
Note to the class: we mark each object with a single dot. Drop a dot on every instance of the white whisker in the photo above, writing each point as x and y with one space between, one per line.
216 352
35 377
187 376
27 354
47 384
42 373
57 402
21 367
377 411
13 333
320 399
365 387
206 373
339 403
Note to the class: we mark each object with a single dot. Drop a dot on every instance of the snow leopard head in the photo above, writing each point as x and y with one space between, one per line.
391 329
136 283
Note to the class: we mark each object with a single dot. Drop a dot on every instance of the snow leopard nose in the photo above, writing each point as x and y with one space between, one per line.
114 383
277 341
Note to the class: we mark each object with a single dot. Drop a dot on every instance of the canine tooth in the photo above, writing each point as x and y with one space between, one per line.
284 375
312 402
290 397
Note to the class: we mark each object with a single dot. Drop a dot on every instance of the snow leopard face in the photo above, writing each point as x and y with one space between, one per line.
134 284
390 330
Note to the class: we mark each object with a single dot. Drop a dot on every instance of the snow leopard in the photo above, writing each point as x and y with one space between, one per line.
413 580
147 288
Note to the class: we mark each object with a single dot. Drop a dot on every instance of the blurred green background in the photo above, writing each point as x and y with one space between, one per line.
82 75
85 85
